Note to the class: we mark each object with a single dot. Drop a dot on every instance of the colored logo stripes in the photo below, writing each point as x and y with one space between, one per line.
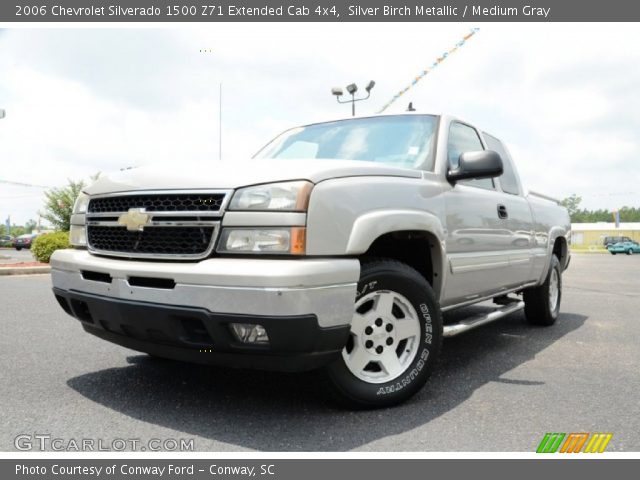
573 442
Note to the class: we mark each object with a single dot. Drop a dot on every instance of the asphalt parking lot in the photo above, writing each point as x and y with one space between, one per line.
498 388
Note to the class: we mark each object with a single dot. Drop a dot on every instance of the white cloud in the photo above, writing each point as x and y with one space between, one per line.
79 101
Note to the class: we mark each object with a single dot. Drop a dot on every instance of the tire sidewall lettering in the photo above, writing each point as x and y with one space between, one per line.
406 380
366 288
388 275
413 372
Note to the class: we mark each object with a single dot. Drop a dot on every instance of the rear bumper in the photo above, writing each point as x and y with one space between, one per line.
183 310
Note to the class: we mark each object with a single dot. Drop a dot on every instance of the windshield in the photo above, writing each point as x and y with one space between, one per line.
402 140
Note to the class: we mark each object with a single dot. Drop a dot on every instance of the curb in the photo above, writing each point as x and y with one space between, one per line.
23 270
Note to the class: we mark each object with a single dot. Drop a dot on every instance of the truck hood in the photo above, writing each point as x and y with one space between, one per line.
235 174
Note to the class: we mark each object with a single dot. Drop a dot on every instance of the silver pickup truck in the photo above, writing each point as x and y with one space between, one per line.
338 246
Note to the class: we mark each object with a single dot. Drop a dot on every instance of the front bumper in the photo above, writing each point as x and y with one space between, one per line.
305 305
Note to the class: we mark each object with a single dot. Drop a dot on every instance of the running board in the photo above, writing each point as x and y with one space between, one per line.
478 320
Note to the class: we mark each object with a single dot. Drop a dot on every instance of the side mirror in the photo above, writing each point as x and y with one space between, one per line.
480 164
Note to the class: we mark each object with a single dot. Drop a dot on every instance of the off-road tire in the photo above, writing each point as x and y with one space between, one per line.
403 284
538 306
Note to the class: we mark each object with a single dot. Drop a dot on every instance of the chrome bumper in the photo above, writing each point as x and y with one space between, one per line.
323 287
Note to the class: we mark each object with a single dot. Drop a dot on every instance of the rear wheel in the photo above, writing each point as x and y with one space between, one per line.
542 304
396 333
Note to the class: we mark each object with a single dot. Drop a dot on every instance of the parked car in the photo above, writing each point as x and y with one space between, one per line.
338 247
611 240
624 247
7 240
24 241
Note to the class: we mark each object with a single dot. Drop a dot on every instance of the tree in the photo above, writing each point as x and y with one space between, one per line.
17 230
30 225
578 215
630 214
59 204
572 204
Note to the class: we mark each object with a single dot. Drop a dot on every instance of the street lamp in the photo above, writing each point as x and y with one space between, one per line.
352 88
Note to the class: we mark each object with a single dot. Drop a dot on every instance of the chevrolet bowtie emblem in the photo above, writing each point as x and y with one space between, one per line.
135 219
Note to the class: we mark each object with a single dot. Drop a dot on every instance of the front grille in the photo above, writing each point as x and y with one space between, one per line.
179 226
198 202
153 240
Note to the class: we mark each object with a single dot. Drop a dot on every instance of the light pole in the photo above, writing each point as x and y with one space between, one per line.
220 124
352 89
8 222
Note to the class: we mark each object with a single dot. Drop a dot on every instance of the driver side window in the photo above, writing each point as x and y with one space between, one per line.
463 138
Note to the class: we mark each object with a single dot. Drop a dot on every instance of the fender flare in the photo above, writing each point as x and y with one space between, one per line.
372 225
369 227
554 234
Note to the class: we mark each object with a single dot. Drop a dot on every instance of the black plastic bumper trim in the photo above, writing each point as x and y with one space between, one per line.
297 343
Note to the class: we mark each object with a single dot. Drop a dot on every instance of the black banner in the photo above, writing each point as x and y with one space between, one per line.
316 469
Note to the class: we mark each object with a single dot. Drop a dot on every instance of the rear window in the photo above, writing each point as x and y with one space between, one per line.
508 179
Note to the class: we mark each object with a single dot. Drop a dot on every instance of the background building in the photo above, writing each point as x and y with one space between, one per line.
592 234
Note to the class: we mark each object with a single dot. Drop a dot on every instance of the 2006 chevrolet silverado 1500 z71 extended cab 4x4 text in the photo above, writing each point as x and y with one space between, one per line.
337 246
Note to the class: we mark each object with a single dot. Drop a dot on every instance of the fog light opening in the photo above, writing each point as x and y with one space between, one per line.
250 333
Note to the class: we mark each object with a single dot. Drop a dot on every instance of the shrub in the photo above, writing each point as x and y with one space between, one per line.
44 245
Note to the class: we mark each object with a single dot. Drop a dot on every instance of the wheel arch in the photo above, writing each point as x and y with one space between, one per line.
559 247
412 237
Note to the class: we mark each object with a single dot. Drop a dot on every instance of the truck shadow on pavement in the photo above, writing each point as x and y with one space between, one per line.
292 412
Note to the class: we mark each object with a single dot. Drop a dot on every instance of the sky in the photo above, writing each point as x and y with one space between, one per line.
563 97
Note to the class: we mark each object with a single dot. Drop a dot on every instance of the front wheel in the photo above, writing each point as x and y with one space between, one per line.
18 248
396 333
630 252
542 304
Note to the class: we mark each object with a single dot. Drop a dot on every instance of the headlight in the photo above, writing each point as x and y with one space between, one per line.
77 233
77 236
82 202
285 196
289 240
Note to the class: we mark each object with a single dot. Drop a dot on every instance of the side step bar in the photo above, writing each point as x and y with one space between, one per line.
483 319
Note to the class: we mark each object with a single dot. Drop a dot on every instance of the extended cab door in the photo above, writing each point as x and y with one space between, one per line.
486 235
520 218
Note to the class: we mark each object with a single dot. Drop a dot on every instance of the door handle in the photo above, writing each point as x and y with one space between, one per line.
502 212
